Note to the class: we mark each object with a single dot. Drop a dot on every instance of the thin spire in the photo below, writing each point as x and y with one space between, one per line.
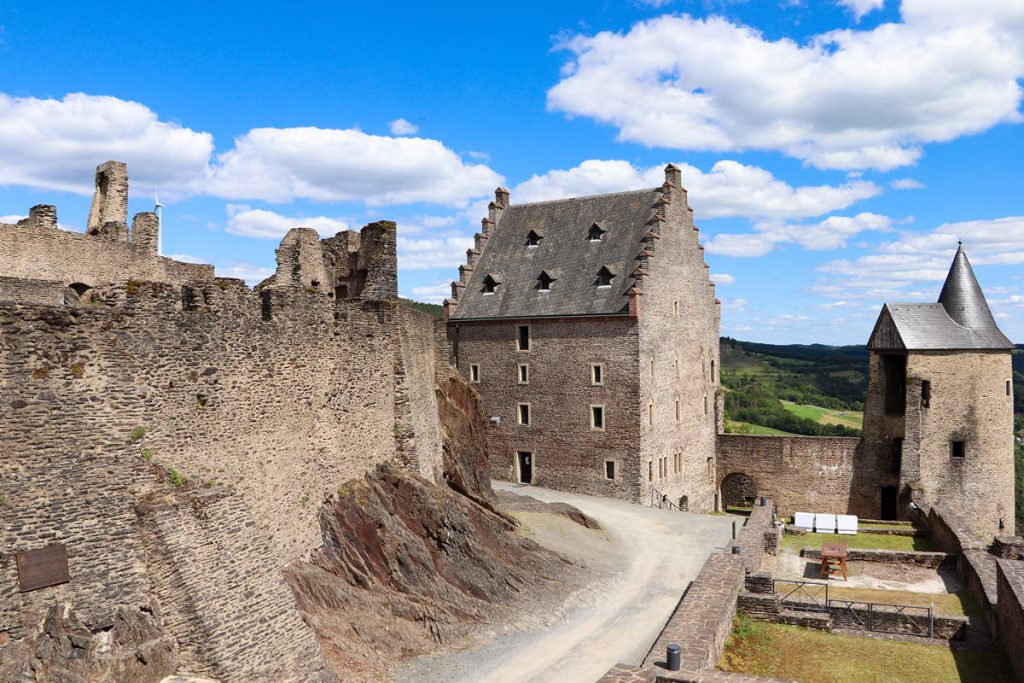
962 296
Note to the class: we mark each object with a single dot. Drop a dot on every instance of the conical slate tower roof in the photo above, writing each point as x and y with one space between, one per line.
961 320
962 296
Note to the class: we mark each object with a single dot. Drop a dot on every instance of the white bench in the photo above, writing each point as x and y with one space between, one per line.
846 524
825 524
804 520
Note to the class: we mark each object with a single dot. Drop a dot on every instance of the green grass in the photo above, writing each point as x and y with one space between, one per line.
962 604
825 416
863 541
733 427
810 656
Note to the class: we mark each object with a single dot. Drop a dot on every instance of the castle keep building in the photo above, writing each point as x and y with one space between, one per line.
938 419
590 328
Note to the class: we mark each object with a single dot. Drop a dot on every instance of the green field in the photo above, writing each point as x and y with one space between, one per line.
866 541
733 427
826 416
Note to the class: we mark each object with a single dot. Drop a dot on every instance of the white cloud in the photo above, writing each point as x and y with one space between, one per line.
722 278
734 305
906 184
403 127
55 144
249 222
433 294
844 99
861 7
283 164
252 274
728 189
831 233
443 251
11 219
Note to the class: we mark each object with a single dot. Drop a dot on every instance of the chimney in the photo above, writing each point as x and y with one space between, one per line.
501 197
673 176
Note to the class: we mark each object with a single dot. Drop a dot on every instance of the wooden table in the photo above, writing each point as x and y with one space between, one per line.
833 558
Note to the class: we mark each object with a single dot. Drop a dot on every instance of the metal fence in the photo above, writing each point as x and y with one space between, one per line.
810 596
885 618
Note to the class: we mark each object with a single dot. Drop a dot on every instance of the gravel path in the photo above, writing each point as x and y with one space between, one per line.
643 560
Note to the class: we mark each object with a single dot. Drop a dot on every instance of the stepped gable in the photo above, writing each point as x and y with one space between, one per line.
564 251
961 320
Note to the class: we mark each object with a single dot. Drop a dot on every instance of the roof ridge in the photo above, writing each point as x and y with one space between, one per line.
589 196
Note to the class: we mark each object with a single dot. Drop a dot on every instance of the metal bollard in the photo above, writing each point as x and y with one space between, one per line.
673 656
734 529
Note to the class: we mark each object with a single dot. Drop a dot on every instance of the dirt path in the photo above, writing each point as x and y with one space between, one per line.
644 559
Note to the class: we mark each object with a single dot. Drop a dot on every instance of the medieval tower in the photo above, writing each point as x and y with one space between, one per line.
938 420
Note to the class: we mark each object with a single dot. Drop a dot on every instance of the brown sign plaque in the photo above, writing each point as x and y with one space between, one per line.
44 567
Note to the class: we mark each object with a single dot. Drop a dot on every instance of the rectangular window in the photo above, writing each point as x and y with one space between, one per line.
597 374
524 373
474 374
677 410
675 308
712 371
609 469
524 413
523 338
926 393
705 404
957 449
896 463
597 417
1009 388
650 413
650 471
895 369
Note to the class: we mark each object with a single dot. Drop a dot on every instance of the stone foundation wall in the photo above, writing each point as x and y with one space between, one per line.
45 292
1010 581
801 473
917 558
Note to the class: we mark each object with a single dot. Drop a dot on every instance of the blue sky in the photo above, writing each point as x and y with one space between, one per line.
834 151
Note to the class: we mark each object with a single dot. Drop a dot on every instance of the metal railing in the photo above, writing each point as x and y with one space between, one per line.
886 618
661 501
806 595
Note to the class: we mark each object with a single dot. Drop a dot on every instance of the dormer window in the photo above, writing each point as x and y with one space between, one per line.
532 239
596 233
544 282
604 277
490 284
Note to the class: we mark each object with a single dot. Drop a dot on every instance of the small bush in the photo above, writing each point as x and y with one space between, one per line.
137 434
40 373
78 370
175 478
147 455
210 484
305 501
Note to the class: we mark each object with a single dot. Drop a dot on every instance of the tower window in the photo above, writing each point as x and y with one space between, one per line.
712 371
597 374
650 414
532 239
474 374
678 412
1009 388
604 277
524 373
895 368
926 393
957 449
609 469
675 308
705 404
597 418
544 282
896 464
523 414
490 284
523 338
595 234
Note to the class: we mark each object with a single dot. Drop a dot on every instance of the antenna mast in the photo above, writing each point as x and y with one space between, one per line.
159 209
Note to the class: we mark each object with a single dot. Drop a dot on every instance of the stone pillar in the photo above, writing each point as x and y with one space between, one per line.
41 216
146 231
110 200
378 258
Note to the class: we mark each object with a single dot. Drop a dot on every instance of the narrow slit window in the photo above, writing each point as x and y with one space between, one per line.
650 413
609 469
524 373
604 277
677 410
650 470
474 373
596 233
713 372
926 393
524 414
597 374
597 417
523 338
957 449
532 239
675 308
1009 388
705 404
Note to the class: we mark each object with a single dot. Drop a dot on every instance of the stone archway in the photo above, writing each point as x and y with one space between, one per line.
738 489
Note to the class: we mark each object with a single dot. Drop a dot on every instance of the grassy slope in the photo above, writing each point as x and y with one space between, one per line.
811 656
873 541
826 416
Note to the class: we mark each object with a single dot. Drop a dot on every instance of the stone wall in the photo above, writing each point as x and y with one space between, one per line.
45 292
49 253
679 361
1010 578
567 454
800 473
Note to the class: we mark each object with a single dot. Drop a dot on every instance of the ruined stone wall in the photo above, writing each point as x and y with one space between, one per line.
801 473
417 428
969 402
49 253
46 292
568 454
282 394
679 363
879 431
1010 579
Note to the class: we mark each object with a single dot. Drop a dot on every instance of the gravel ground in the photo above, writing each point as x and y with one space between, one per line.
641 561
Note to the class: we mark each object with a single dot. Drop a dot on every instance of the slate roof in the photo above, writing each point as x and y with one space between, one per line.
961 320
564 253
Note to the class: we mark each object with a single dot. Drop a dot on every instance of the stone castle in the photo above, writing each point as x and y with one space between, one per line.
590 328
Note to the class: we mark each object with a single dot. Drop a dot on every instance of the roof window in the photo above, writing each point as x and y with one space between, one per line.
490 284
533 238
596 233
604 277
544 282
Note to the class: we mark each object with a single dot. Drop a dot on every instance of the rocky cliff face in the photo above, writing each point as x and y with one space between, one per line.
407 565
